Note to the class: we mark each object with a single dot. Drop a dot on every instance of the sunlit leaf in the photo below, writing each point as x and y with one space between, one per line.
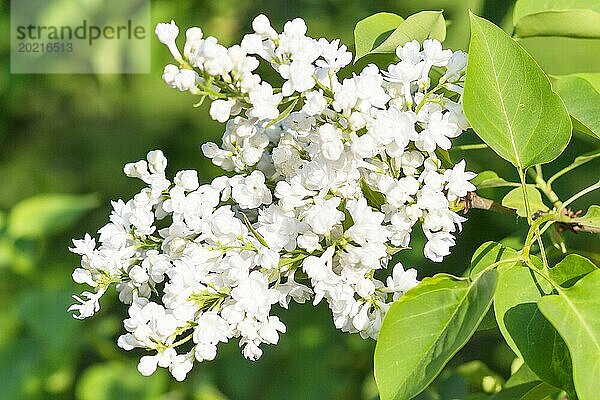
570 18
425 328
373 30
509 102
419 26
491 253
574 313
515 200
526 330
47 214
374 198
571 269
581 94
490 179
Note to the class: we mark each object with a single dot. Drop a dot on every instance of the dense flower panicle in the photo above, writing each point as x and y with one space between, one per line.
321 198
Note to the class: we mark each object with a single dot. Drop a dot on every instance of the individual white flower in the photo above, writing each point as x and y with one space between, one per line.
455 67
181 79
405 73
181 364
211 329
262 26
434 55
299 75
253 295
315 102
402 280
250 191
334 56
220 110
84 247
293 290
324 215
331 142
193 39
264 102
458 181
187 180
410 51
170 74
147 365
88 307
251 351
167 33
438 132
438 245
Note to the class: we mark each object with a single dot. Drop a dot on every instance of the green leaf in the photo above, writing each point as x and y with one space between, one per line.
47 214
419 26
515 200
373 30
490 179
574 313
526 330
116 380
491 253
591 219
284 114
425 328
570 18
570 270
509 102
525 385
581 94
374 198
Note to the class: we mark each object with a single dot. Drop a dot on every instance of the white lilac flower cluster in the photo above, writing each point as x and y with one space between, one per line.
323 195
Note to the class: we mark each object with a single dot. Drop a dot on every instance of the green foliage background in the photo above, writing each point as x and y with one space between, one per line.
73 133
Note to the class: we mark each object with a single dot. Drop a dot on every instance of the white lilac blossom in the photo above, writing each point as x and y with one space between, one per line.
322 202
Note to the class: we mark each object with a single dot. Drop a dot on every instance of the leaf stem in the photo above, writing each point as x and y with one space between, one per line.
579 161
534 225
534 230
465 147
581 194
541 184
543 274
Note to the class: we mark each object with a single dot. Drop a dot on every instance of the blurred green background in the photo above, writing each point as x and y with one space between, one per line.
72 134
